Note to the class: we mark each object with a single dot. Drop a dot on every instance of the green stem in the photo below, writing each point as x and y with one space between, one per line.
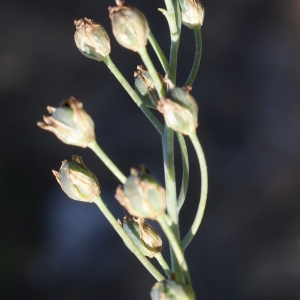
151 69
127 240
203 196
175 246
170 182
174 19
198 52
163 264
159 53
109 63
106 160
185 171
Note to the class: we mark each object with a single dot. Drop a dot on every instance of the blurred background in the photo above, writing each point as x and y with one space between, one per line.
248 246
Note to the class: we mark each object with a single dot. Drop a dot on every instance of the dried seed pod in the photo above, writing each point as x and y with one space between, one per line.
91 39
70 123
130 26
179 109
192 12
171 290
77 181
144 236
142 195
145 88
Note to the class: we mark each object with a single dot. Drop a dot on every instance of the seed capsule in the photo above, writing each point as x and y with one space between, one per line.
145 88
77 181
91 39
142 195
179 109
143 235
130 26
171 290
70 123
192 12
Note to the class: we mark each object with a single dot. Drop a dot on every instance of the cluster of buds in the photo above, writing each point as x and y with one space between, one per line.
77 181
171 290
142 195
144 236
192 12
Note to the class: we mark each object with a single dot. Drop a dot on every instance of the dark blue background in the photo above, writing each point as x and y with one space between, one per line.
248 246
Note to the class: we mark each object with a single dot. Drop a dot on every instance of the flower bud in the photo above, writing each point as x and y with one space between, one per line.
91 39
171 290
144 236
130 26
192 12
145 88
142 195
70 123
179 109
77 181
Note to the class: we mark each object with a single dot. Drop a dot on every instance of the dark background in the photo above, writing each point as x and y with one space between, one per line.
248 246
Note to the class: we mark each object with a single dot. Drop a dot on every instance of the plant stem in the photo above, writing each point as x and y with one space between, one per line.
106 160
198 52
175 246
203 196
151 69
174 20
170 182
111 219
163 264
159 53
109 63
185 171
173 16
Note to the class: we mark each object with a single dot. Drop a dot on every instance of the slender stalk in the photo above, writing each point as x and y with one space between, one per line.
198 53
170 182
174 19
176 247
106 160
151 69
163 264
159 53
185 171
111 219
203 196
109 63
